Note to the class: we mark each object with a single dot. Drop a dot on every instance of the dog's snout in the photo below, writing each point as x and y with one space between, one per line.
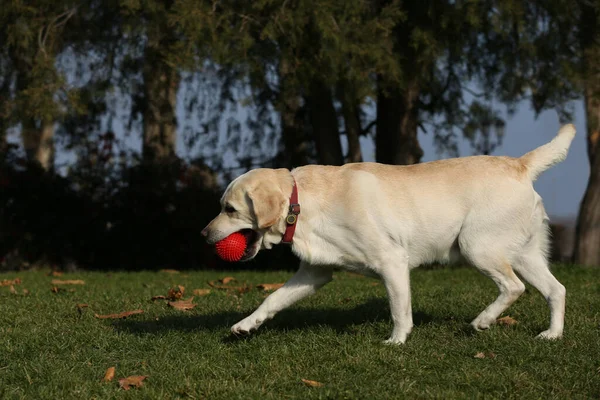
204 232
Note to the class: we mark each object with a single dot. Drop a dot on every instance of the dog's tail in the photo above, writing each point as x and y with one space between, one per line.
544 157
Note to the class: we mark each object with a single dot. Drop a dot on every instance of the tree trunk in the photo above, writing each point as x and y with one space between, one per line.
3 142
587 241
38 142
295 152
397 125
37 134
351 112
323 120
161 82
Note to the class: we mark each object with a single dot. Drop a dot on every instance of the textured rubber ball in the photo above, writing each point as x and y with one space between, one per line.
232 248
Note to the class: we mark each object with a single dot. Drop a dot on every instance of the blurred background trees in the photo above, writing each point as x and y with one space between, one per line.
131 115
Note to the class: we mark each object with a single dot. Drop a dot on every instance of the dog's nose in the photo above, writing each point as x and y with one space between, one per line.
204 232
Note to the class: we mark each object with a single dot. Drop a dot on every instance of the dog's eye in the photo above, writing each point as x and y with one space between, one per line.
229 209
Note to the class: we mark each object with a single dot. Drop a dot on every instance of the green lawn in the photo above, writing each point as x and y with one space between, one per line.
49 350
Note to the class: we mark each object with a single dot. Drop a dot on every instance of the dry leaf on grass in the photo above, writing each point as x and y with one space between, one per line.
201 292
170 271
483 355
508 321
175 293
269 286
109 374
226 280
8 282
158 298
239 289
67 282
310 383
25 292
56 289
124 314
55 273
182 305
131 381
13 290
80 308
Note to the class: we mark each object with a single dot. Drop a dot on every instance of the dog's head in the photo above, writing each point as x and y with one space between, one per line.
256 205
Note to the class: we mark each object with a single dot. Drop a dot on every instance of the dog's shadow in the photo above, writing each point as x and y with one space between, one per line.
340 319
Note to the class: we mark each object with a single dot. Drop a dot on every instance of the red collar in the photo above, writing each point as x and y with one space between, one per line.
292 216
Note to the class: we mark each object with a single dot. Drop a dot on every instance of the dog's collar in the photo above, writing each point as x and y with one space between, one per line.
292 217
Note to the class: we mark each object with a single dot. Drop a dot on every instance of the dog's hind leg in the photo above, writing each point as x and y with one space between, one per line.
510 287
305 282
533 267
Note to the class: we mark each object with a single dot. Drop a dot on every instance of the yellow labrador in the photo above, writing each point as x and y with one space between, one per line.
384 220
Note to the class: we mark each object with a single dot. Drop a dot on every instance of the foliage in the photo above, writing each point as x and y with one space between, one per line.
268 83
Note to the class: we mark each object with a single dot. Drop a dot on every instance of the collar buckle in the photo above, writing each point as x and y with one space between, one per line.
292 217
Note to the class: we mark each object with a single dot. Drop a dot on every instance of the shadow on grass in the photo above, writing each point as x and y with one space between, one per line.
342 320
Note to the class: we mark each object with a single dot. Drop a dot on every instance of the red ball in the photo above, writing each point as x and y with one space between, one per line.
232 248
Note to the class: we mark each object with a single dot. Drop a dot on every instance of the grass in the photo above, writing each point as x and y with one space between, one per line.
48 350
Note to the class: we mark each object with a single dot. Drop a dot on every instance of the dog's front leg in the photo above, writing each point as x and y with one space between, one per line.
396 278
305 282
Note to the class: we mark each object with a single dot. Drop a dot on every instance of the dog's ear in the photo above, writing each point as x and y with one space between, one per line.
268 202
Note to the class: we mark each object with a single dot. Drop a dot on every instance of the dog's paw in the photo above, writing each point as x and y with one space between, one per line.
549 335
480 325
246 326
396 339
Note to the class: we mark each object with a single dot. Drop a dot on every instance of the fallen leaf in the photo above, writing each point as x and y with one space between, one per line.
491 355
25 292
81 306
158 298
124 314
480 355
56 289
226 280
182 305
8 282
175 293
109 374
310 383
55 273
201 292
508 321
239 289
170 271
67 282
13 290
131 381
243 289
269 286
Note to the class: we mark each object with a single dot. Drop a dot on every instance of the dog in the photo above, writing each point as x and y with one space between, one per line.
384 220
